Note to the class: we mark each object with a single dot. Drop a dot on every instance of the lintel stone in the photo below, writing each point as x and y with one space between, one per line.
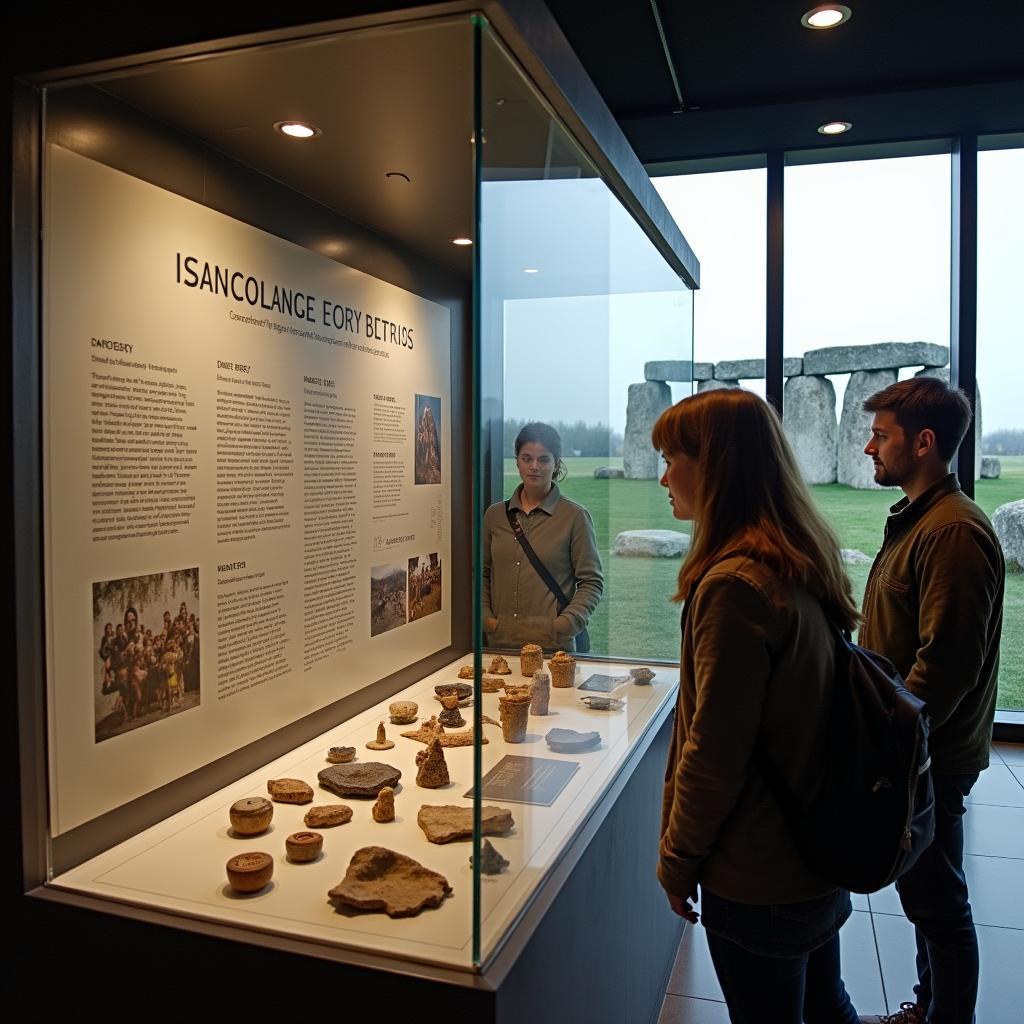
678 370
886 355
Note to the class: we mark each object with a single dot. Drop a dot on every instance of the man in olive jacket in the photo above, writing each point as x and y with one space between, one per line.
934 607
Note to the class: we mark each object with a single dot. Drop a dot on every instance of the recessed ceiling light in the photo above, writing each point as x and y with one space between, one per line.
826 16
834 127
530 270
462 240
297 129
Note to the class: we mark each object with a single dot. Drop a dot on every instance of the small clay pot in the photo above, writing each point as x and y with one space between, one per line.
531 659
562 667
304 846
250 872
251 816
515 710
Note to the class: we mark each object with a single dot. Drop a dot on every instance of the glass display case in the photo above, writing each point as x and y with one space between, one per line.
298 297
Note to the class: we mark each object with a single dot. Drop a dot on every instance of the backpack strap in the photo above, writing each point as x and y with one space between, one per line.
542 570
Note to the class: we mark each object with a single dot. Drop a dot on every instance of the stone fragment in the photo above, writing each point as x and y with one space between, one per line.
451 717
378 879
511 688
384 809
715 385
569 741
251 815
540 693
609 473
563 670
515 710
491 684
432 768
531 659
365 780
642 675
462 690
250 872
809 420
303 847
681 371
341 755
432 727
942 373
646 402
739 369
446 822
854 468
327 816
851 556
491 862
597 703
1008 522
381 742
990 467
459 739
466 672
290 791
650 543
886 355
403 712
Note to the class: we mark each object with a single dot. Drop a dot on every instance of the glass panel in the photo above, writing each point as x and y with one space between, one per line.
584 327
1000 370
844 221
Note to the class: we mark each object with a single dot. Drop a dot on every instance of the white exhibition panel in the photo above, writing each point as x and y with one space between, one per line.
245 427
179 864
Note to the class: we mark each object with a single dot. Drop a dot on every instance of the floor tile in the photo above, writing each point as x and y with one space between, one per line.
1001 987
861 972
693 973
859 901
996 885
1011 753
998 785
994 831
1017 770
684 1010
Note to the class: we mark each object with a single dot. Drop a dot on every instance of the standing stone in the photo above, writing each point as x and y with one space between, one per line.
991 467
714 385
809 405
646 403
942 373
1008 522
854 468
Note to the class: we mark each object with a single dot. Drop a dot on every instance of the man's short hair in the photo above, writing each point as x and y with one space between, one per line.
921 402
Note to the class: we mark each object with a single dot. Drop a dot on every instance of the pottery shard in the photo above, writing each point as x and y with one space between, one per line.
445 822
290 791
341 755
569 741
433 769
382 880
491 862
327 816
365 780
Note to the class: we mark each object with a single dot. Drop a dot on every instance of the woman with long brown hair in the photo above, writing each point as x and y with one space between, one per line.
762 588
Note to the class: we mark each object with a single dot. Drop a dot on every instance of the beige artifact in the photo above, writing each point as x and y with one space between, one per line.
499 666
451 717
466 672
464 690
381 742
515 710
303 847
487 720
433 769
642 675
445 822
403 712
341 755
531 659
491 684
251 816
432 727
364 780
491 862
511 688
290 791
427 730
540 693
380 879
563 670
250 872
327 816
384 808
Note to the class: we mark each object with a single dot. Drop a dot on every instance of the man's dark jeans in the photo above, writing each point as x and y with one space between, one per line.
780 963
934 898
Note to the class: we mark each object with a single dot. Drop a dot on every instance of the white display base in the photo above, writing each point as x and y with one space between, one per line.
178 865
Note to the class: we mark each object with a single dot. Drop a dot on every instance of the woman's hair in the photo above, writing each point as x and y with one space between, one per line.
130 610
547 437
751 497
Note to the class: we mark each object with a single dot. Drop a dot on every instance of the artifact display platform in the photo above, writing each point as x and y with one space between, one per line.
178 864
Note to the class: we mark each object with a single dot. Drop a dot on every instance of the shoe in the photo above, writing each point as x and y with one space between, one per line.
908 1013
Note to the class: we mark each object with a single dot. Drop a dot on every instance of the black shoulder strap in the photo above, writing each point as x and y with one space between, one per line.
542 572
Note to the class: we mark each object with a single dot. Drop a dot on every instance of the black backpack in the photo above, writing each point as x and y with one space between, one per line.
874 811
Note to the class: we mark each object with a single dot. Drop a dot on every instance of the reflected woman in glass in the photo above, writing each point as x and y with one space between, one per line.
762 586
518 606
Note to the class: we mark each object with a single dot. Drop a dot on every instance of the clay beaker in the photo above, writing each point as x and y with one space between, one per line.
515 710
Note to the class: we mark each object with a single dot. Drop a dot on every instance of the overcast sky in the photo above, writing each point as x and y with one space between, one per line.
867 260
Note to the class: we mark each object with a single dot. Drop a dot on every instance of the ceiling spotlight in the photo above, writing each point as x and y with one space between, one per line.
462 240
297 129
834 127
530 270
826 16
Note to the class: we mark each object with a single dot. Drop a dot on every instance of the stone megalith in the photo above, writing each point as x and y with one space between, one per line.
1008 522
942 373
991 467
809 419
714 385
651 543
645 404
608 473
886 355
853 467
680 370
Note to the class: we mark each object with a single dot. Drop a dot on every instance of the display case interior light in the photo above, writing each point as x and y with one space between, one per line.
834 127
297 129
462 240
826 16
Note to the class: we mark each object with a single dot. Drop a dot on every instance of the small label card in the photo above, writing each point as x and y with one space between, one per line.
526 780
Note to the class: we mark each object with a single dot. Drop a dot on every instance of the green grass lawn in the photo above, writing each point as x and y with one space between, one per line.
636 619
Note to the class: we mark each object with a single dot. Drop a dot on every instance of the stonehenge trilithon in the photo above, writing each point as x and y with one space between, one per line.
810 425
853 467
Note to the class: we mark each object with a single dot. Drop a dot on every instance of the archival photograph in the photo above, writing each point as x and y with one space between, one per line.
428 440
424 585
387 597
146 649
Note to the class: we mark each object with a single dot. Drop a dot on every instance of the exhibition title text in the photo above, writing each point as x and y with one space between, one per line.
242 287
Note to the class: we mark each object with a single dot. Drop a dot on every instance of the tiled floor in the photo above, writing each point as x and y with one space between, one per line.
878 941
